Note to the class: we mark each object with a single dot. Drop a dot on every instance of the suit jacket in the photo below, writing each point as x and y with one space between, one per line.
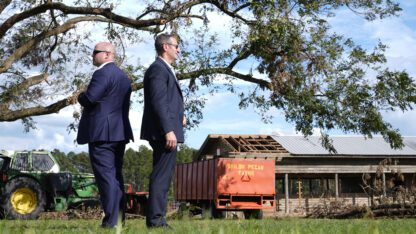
163 103
106 105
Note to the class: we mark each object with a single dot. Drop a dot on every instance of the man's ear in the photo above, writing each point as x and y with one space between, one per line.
107 55
165 47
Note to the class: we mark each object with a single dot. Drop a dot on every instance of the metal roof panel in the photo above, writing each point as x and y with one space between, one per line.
345 145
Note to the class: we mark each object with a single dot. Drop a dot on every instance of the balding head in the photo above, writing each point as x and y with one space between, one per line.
103 52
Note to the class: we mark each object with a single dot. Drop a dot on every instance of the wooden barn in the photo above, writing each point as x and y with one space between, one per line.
308 175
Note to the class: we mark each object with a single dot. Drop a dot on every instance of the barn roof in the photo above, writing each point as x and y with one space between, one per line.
345 145
277 146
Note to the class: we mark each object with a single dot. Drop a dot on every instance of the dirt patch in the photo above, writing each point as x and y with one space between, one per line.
80 213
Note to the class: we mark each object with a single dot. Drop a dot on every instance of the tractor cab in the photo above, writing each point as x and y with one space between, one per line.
4 167
5 158
4 163
34 161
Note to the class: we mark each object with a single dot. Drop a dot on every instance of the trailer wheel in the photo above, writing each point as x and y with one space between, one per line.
23 199
206 211
253 214
217 213
136 204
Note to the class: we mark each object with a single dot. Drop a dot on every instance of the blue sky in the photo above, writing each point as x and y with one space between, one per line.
221 114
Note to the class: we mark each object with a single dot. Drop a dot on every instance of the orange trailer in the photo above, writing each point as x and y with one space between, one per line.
221 184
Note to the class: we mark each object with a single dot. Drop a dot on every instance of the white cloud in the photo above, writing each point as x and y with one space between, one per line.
217 100
130 8
288 131
403 121
228 125
51 132
135 118
400 38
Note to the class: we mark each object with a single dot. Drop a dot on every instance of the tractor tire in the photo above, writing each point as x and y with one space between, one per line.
23 198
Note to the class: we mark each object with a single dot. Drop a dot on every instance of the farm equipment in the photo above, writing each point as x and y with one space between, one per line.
136 201
31 182
227 184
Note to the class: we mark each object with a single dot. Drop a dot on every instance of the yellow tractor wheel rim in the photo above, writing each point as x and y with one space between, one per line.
24 200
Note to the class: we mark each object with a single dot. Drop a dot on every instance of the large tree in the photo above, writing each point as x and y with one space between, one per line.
316 77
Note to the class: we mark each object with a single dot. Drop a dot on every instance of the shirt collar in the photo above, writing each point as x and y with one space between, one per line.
102 65
170 66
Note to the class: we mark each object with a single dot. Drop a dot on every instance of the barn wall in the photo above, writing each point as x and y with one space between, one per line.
303 206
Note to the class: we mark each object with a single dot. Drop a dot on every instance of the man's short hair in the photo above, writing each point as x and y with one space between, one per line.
161 39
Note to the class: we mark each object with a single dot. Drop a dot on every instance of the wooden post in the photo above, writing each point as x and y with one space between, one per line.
287 193
299 193
336 186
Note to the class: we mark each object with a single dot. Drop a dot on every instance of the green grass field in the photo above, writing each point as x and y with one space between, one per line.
270 225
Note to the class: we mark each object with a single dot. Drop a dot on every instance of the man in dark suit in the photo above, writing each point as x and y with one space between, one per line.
105 126
162 125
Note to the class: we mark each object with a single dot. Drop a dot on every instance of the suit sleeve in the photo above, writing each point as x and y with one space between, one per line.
96 90
158 95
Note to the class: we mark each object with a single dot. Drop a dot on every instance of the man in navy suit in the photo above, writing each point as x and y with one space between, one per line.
105 126
162 125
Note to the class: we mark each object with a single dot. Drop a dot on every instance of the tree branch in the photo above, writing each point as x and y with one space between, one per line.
226 71
7 95
4 4
22 50
222 7
180 9
241 7
243 55
187 5
105 12
33 111
137 86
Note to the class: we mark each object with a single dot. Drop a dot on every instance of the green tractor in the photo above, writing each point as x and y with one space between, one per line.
31 182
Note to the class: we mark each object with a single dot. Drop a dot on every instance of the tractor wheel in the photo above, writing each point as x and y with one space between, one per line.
23 198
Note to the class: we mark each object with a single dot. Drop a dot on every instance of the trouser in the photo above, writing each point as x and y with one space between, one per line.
164 162
107 161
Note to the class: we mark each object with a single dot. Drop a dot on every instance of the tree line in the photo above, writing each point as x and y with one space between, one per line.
136 168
